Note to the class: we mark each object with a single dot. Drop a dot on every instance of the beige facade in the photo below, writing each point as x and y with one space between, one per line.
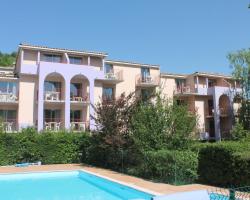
103 80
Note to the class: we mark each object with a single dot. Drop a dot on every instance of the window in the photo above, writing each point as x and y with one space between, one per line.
75 60
52 115
75 115
8 87
211 82
75 89
52 58
108 93
108 68
180 83
145 72
7 115
51 86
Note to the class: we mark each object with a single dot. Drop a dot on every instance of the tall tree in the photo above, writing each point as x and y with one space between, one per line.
240 62
7 59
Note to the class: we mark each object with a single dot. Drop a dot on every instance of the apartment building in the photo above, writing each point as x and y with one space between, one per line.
52 89
213 97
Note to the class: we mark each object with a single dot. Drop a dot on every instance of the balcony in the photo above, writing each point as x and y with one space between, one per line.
114 77
9 125
78 125
79 98
147 81
52 96
184 90
52 124
8 98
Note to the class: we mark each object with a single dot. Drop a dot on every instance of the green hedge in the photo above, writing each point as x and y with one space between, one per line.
30 146
177 167
225 164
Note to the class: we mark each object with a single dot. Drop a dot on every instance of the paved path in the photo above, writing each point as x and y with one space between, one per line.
157 188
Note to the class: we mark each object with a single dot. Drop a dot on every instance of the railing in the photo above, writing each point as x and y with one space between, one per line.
108 99
114 76
8 97
9 125
184 90
79 125
52 96
52 124
147 80
80 98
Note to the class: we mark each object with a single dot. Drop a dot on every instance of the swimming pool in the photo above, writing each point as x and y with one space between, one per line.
72 185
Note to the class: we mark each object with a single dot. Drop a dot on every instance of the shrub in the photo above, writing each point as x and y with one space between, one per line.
48 147
225 164
176 167
161 125
238 132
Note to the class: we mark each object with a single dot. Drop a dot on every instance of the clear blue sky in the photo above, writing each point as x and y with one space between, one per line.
182 36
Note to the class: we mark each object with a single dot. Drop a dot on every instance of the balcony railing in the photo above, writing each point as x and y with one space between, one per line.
9 125
114 76
80 98
184 90
8 97
52 124
52 96
79 125
149 80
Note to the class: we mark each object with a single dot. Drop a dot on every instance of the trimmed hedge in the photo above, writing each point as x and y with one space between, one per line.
49 148
225 164
177 167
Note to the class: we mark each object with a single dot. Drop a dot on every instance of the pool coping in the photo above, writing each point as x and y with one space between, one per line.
140 189
144 185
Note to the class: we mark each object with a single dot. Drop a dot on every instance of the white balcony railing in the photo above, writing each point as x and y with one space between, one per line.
184 90
80 98
52 96
116 76
78 125
147 80
8 97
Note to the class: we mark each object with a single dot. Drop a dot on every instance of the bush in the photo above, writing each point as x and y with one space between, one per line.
178 167
162 124
49 148
225 164
238 132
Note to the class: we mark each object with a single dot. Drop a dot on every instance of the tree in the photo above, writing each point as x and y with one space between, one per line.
112 141
7 59
162 125
240 63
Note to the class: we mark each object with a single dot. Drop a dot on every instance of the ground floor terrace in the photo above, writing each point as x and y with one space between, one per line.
138 183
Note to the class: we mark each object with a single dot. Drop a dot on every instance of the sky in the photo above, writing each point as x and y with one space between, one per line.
182 36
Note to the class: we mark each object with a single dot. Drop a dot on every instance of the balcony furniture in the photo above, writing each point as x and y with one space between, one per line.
110 75
8 126
57 126
7 97
78 126
47 126
52 126
52 96
80 99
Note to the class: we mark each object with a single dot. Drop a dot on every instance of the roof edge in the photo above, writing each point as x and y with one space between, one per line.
37 47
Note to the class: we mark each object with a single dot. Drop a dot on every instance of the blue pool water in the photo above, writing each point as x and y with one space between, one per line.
74 185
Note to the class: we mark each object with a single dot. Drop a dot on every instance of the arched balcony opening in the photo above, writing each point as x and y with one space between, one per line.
79 103
54 97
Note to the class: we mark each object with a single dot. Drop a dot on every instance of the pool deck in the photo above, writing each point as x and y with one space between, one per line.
138 183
